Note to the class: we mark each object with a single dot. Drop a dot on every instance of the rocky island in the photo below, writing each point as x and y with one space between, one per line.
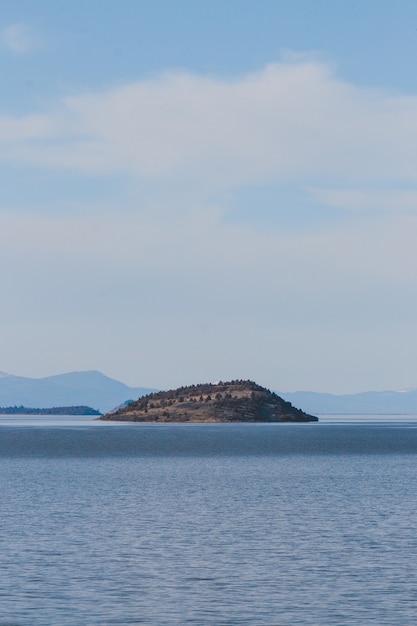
235 401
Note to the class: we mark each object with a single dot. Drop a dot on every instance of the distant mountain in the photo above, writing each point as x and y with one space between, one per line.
371 402
235 401
90 388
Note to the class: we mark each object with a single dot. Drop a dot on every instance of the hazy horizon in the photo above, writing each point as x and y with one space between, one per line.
139 384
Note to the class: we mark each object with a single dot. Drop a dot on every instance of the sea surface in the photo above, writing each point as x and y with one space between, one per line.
208 524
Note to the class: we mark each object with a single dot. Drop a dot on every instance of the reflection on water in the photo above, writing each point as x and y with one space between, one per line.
88 420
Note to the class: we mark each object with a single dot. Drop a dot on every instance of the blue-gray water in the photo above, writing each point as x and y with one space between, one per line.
224 524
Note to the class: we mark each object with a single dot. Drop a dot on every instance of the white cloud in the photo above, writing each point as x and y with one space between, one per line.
368 199
168 283
289 122
19 39
15 130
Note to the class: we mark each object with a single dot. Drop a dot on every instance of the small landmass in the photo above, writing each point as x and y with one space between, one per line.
56 410
235 401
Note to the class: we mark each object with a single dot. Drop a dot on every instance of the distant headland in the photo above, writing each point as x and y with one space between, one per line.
56 410
235 401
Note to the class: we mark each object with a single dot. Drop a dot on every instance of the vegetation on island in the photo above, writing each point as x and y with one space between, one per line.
56 410
235 401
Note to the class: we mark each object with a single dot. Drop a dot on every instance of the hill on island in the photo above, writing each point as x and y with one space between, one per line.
235 401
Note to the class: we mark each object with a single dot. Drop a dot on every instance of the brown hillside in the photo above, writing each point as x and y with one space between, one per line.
235 401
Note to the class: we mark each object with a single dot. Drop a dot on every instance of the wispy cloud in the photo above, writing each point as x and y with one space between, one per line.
14 130
288 122
19 39
368 199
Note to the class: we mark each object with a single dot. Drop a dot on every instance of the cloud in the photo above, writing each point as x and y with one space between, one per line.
288 122
19 39
165 286
368 199
31 127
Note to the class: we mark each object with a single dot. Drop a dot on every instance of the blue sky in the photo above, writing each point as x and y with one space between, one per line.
203 190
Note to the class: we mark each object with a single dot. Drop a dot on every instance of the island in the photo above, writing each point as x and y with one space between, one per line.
235 401
56 410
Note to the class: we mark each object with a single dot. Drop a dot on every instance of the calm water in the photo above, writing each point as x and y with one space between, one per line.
207 524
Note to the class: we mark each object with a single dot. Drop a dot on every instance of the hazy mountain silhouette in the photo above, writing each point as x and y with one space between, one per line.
389 402
90 388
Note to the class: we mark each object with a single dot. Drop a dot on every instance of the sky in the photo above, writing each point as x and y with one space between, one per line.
202 190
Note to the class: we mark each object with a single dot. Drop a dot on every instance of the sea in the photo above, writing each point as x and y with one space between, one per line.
106 523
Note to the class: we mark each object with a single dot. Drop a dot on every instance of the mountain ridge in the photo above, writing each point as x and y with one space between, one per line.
78 388
365 402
